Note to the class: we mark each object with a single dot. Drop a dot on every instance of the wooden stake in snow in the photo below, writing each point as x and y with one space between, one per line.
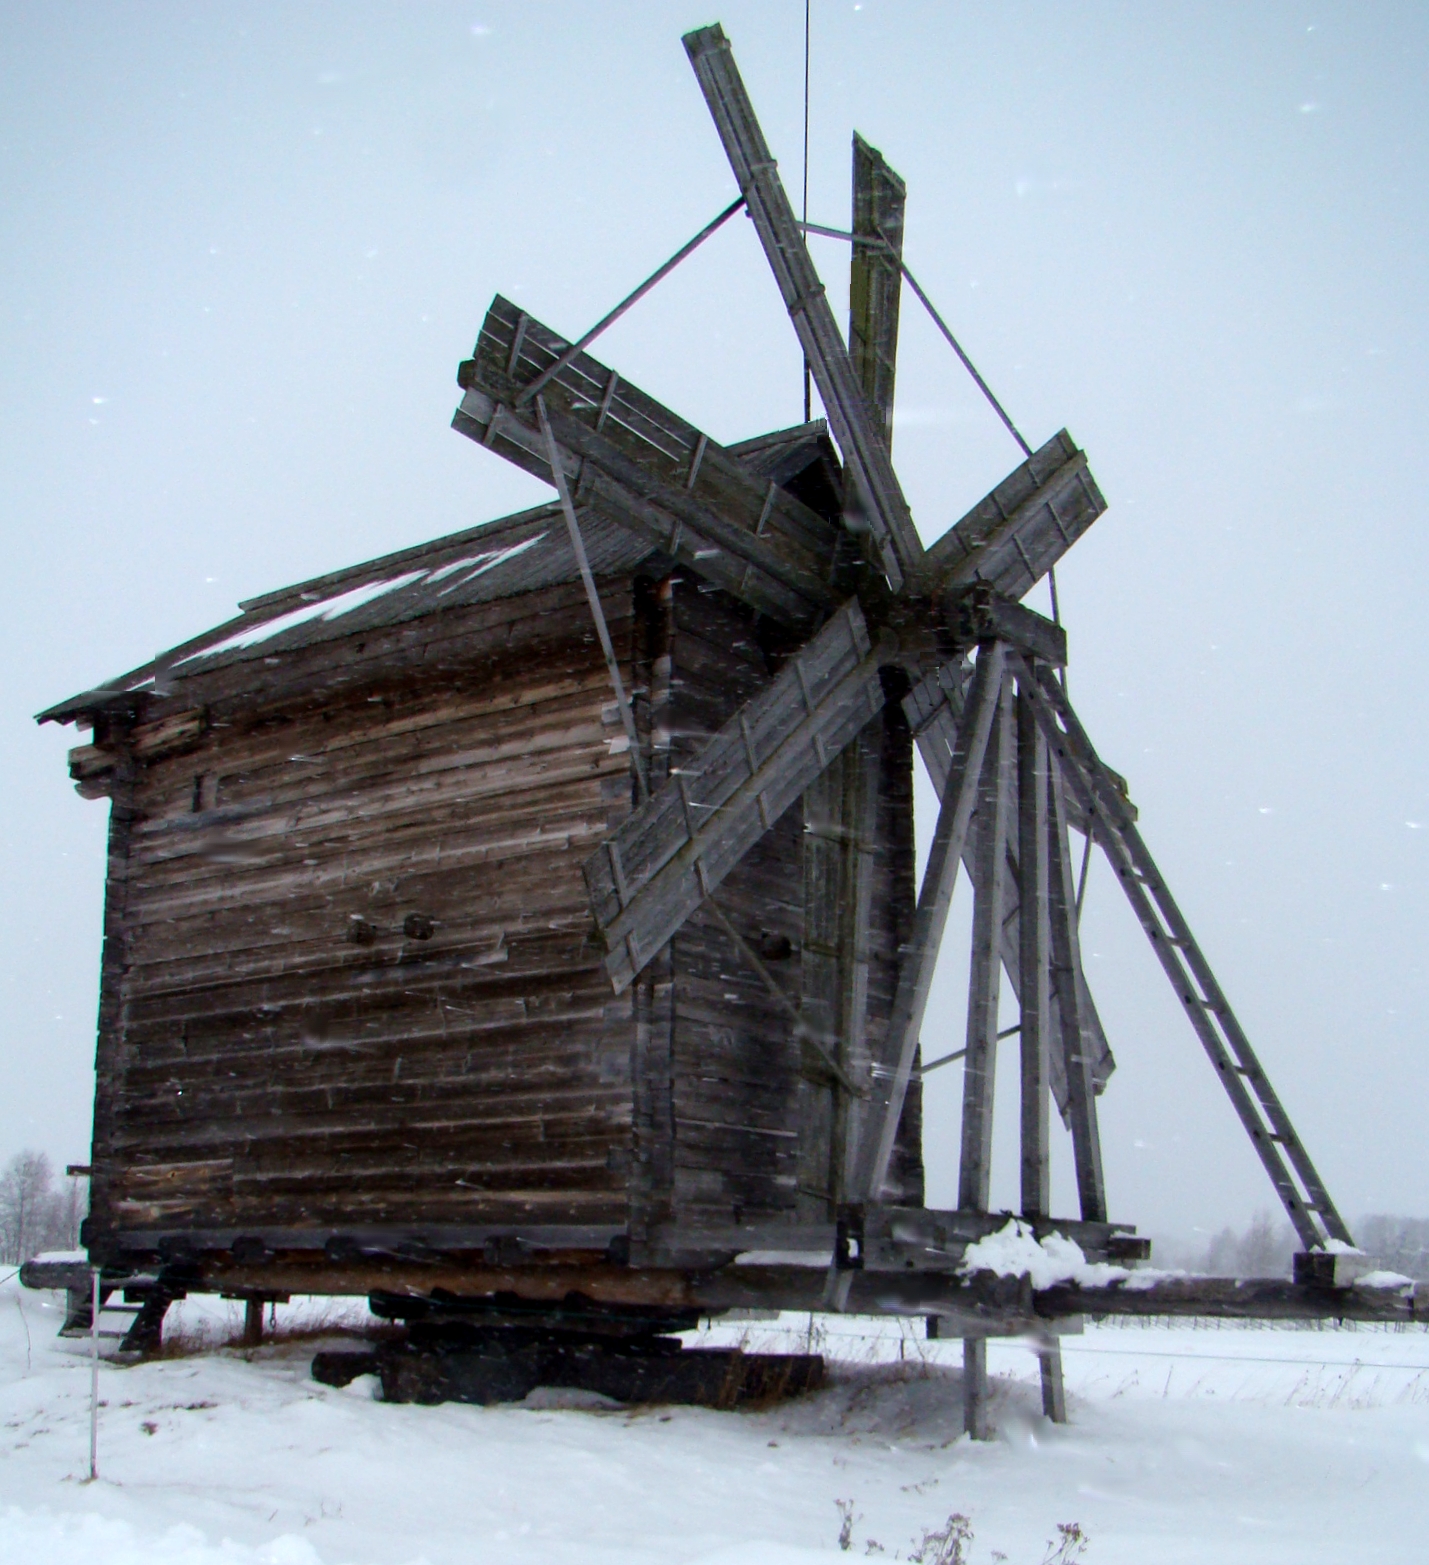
94 1375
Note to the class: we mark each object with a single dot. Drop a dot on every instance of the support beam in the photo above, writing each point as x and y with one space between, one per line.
840 830
1033 958
597 614
975 1398
1054 1389
868 468
1274 1138
985 982
1066 968
935 709
919 958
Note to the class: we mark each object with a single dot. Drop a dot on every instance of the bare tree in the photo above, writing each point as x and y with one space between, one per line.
26 1195
34 1216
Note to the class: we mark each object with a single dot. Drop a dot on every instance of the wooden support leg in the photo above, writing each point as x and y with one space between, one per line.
146 1335
252 1323
980 1065
1054 1391
1034 984
975 1416
1067 966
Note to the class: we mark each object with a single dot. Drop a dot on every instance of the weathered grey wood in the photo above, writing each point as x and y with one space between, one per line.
662 862
868 469
1054 1391
875 281
634 461
1013 537
1066 961
894 1065
840 845
976 1421
984 981
573 527
979 613
1308 1206
1034 957
934 708
894 1238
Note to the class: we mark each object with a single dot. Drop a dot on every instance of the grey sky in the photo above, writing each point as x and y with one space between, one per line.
244 247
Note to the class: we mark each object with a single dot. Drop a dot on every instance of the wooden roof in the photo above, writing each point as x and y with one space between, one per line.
497 559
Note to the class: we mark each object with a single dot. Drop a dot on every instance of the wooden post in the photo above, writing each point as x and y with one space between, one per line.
975 1416
920 956
980 1065
252 1323
1067 963
1034 984
1054 1391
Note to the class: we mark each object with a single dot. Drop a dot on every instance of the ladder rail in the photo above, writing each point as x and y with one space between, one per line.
1205 1003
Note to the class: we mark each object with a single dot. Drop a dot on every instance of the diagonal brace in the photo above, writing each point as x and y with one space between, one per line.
1202 998
915 969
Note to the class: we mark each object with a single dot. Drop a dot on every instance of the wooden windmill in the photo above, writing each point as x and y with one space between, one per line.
521 930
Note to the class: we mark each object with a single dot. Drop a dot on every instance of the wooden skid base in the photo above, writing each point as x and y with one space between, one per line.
491 1372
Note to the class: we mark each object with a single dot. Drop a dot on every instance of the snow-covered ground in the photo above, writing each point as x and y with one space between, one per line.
1228 1445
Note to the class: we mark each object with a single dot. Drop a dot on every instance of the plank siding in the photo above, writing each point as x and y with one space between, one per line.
352 981
288 1048
741 1125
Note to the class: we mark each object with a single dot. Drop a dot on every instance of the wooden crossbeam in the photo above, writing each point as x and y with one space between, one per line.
645 468
875 279
868 467
1012 538
673 852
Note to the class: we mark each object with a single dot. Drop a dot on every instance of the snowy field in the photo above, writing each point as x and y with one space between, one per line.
1210 1445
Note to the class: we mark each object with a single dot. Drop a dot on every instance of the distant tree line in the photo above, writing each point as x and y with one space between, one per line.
36 1214
1264 1249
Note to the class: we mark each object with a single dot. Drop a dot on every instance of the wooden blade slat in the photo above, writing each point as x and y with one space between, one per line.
866 460
1019 532
640 466
674 851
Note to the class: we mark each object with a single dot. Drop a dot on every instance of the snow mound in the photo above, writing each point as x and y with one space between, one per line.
1014 1251
1395 1280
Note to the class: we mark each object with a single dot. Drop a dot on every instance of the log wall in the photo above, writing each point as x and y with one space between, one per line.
357 984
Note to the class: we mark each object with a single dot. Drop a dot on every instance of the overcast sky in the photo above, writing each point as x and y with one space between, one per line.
244 246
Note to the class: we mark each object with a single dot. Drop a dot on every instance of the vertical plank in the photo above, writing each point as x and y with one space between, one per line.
875 279
1066 972
984 984
1034 985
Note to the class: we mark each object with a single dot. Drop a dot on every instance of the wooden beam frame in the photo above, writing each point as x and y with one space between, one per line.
918 960
1255 1101
985 979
